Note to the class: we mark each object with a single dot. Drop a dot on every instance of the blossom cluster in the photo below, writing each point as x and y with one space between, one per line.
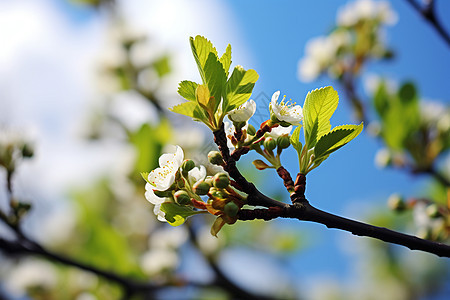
357 37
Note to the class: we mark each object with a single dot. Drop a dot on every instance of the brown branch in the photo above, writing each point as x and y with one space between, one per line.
304 211
29 247
255 197
287 179
428 12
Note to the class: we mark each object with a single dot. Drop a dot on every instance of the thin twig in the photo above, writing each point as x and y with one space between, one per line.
29 247
428 12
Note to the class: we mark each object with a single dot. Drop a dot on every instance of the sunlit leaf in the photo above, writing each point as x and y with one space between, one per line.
319 106
226 59
295 140
201 48
186 89
336 138
176 214
239 87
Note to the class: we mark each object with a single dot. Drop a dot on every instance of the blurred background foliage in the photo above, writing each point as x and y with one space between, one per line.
109 225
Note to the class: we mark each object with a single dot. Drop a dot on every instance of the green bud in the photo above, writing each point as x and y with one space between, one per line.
251 129
274 119
433 211
182 197
186 166
395 202
260 165
283 142
201 188
221 180
285 124
218 194
270 143
215 158
231 209
162 194
27 151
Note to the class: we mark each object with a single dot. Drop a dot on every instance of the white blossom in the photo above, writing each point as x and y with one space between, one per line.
229 131
150 195
308 69
161 216
31 273
279 131
168 237
243 113
356 11
286 112
163 177
156 260
196 174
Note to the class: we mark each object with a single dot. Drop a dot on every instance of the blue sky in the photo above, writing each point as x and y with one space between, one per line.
269 36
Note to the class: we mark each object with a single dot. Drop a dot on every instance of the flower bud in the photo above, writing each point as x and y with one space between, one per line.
283 142
260 165
163 194
182 197
218 204
201 188
218 194
433 211
215 158
27 151
187 165
251 129
395 202
274 119
231 209
221 180
270 143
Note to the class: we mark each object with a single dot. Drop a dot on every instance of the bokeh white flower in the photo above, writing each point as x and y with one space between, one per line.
163 177
244 112
353 12
284 111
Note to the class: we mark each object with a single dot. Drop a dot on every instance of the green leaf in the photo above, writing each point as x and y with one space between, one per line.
295 140
186 89
176 214
162 66
145 176
190 109
215 78
319 106
186 108
239 87
335 139
226 59
201 48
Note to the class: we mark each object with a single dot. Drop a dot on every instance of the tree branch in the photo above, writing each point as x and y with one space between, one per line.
429 13
302 210
29 247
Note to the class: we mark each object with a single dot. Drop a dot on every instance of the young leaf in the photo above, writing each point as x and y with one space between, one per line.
226 59
145 176
215 78
239 87
319 106
201 48
176 214
186 108
295 140
335 139
186 89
